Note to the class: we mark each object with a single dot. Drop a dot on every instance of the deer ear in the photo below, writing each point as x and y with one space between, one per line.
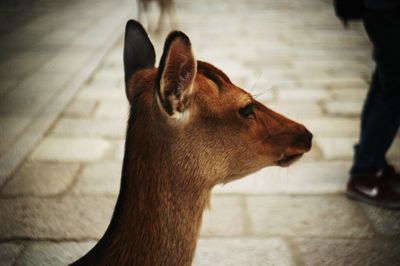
176 73
138 51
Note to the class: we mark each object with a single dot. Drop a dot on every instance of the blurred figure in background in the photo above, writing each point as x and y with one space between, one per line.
372 179
166 7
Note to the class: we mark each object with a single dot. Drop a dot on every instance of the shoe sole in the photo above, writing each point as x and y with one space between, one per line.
360 198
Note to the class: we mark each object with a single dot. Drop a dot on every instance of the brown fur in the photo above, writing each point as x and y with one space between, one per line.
172 162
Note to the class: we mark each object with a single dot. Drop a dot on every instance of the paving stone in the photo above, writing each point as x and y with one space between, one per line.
337 85
350 94
224 217
23 63
317 216
239 252
276 75
235 70
312 66
314 74
385 221
349 252
297 110
35 178
59 36
99 178
105 74
336 147
86 127
80 108
70 149
10 128
394 152
105 81
9 253
43 81
301 178
113 110
343 108
102 94
55 218
62 69
314 154
50 253
120 151
302 94
333 126
66 62
6 84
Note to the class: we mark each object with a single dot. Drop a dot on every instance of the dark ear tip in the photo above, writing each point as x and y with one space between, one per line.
134 25
177 34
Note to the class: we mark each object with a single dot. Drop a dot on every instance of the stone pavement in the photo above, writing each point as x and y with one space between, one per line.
47 50
291 54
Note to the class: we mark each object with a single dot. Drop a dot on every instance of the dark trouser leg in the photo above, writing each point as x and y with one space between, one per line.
380 118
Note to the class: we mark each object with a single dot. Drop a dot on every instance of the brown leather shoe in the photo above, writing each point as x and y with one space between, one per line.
380 189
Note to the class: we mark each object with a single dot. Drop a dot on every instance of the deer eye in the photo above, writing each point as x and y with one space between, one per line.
247 111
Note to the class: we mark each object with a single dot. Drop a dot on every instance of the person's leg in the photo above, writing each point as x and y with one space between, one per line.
381 113
360 163
369 101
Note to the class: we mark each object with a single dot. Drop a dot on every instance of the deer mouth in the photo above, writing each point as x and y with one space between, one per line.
288 159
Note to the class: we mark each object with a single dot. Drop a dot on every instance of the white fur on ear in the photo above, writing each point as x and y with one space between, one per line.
176 75
177 117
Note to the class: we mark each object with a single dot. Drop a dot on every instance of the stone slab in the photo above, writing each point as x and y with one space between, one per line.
224 217
120 151
86 127
386 222
297 110
99 179
336 147
333 126
349 94
393 154
349 252
93 94
118 110
41 179
104 79
21 102
70 149
110 76
242 251
55 218
53 254
14 155
9 253
302 94
80 109
316 216
10 128
315 177
344 108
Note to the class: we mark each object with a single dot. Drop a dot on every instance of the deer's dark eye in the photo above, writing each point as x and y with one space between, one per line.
247 111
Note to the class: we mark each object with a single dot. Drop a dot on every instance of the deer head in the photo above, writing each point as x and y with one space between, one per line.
211 127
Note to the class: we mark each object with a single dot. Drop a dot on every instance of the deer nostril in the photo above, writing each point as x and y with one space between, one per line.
309 134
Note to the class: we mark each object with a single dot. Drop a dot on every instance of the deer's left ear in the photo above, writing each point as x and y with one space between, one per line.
176 74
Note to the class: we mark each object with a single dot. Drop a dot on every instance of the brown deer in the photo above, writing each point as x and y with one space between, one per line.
166 7
189 129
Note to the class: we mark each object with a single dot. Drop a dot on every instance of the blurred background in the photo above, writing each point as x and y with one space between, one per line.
63 114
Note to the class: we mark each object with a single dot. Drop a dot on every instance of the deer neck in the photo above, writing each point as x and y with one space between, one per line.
158 213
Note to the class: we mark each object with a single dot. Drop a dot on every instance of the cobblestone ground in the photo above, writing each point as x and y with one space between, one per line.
292 55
